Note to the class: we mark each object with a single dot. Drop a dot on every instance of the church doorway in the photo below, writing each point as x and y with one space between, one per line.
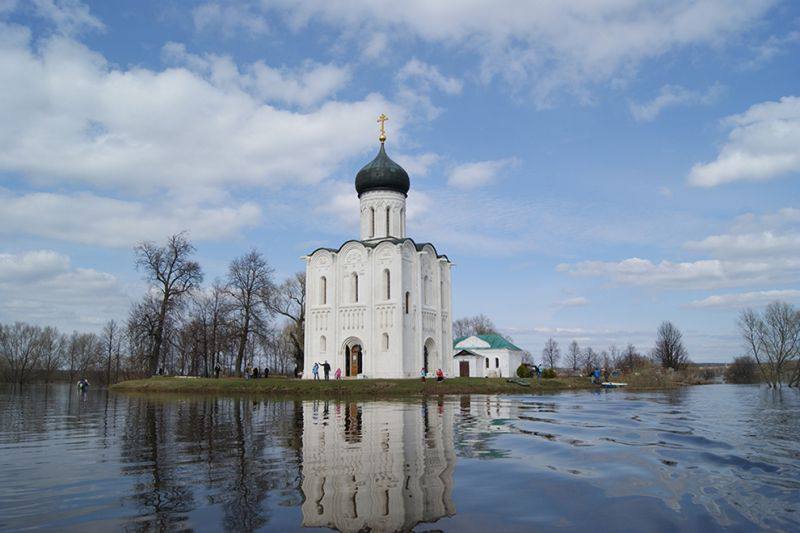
463 369
429 355
353 359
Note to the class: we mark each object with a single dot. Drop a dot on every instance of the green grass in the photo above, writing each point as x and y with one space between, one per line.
345 388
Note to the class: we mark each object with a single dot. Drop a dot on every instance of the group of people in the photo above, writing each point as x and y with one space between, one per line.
254 373
599 376
423 374
326 370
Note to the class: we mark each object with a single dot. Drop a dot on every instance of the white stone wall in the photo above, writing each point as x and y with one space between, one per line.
374 205
341 320
509 362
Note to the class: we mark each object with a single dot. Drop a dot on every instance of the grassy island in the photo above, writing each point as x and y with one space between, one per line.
346 388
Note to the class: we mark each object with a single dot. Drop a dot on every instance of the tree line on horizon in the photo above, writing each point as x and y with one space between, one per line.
181 327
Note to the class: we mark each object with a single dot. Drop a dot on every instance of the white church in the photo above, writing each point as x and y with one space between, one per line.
379 306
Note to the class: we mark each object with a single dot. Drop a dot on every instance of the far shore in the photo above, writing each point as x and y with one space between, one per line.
281 386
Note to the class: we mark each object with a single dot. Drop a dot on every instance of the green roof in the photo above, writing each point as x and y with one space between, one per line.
496 342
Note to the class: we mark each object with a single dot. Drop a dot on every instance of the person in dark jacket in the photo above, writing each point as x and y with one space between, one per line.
326 367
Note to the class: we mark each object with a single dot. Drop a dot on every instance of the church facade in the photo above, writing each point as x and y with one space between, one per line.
379 306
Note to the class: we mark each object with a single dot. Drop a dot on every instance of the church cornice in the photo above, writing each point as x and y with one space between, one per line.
374 243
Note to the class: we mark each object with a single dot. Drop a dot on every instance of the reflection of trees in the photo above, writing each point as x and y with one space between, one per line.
224 452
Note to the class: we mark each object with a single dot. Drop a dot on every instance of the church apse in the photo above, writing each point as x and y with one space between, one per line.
376 466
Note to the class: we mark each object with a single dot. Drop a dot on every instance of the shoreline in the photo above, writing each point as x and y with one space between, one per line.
377 388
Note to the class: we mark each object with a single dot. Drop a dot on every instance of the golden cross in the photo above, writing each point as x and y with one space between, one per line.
382 119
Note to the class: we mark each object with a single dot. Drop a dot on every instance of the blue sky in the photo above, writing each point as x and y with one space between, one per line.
592 169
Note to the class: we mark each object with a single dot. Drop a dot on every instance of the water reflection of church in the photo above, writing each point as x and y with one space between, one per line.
382 466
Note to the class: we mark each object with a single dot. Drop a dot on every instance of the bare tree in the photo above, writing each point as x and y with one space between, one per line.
574 355
289 301
669 350
173 274
631 359
19 348
111 345
773 340
551 353
474 325
589 360
249 277
52 345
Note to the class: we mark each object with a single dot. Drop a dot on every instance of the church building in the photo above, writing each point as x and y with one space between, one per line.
379 306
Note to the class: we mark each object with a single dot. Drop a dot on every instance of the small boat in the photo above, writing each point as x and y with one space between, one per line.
613 384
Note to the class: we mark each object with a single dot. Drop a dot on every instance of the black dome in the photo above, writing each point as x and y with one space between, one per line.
382 174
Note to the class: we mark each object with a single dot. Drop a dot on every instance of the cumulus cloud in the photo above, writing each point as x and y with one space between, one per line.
42 286
670 96
87 218
744 299
762 144
417 80
553 48
479 173
758 250
67 115
230 19
68 16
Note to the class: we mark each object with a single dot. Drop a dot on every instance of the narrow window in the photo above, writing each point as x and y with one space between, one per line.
426 290
323 344
371 222
388 231
323 290
387 284
487 362
497 362
385 342
402 223
408 301
355 287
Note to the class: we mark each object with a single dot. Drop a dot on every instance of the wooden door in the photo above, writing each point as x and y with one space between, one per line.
355 360
463 369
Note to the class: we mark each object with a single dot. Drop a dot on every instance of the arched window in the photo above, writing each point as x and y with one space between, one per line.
355 287
407 303
371 222
385 342
497 362
425 291
323 290
487 362
387 284
388 230
323 344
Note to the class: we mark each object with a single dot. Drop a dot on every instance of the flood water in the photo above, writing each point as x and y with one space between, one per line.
700 458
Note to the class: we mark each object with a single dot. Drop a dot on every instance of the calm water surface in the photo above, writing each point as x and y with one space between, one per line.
701 458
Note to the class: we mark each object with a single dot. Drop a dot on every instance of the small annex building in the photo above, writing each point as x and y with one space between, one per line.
485 356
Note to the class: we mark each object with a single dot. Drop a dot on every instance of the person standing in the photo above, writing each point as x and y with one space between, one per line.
338 373
326 367
315 370
266 372
423 373
439 375
217 370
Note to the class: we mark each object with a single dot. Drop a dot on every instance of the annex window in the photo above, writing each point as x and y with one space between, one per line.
323 290
497 362
487 362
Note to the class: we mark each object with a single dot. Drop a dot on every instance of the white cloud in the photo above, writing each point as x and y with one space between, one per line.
428 77
479 173
763 144
670 96
87 218
375 46
305 86
230 19
68 16
67 115
744 299
665 192
576 301
417 164
758 250
554 48
43 287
